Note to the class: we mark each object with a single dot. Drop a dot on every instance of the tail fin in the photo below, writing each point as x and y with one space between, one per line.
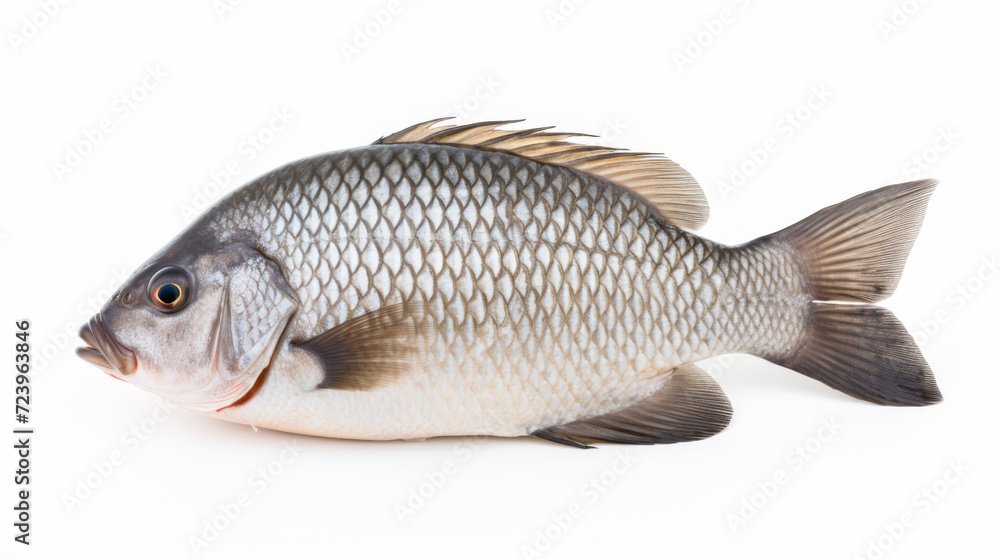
864 351
855 252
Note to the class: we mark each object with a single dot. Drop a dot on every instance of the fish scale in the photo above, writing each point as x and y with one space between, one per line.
554 294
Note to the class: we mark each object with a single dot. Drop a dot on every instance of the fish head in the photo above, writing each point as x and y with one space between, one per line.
197 328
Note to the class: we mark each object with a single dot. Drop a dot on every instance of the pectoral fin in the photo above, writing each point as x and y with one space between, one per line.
371 350
691 406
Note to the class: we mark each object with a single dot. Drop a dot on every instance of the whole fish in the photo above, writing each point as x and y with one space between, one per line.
474 280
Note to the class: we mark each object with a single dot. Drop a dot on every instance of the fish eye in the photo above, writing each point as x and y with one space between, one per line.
169 289
167 295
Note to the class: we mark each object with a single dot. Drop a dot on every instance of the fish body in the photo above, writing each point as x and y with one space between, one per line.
472 280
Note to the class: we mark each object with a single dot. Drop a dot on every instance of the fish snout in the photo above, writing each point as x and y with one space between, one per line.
103 350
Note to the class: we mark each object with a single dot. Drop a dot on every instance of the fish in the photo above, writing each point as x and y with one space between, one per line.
479 280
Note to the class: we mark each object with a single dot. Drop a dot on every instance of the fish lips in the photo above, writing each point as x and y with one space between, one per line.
103 350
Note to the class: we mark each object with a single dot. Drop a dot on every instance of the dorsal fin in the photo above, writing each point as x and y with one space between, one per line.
670 190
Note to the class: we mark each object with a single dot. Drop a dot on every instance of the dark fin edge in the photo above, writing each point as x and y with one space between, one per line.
865 352
689 407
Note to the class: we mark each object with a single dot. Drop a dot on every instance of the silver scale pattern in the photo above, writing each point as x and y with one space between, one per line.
552 290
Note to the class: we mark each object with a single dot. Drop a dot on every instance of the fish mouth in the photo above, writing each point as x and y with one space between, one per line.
103 350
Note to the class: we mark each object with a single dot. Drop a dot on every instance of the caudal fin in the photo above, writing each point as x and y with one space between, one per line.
855 251
864 351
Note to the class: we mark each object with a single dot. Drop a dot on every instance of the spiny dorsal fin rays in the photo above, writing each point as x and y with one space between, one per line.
670 190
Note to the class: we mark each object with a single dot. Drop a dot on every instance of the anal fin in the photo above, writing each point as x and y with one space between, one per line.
690 407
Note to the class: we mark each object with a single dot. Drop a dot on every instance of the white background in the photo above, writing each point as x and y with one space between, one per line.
927 87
